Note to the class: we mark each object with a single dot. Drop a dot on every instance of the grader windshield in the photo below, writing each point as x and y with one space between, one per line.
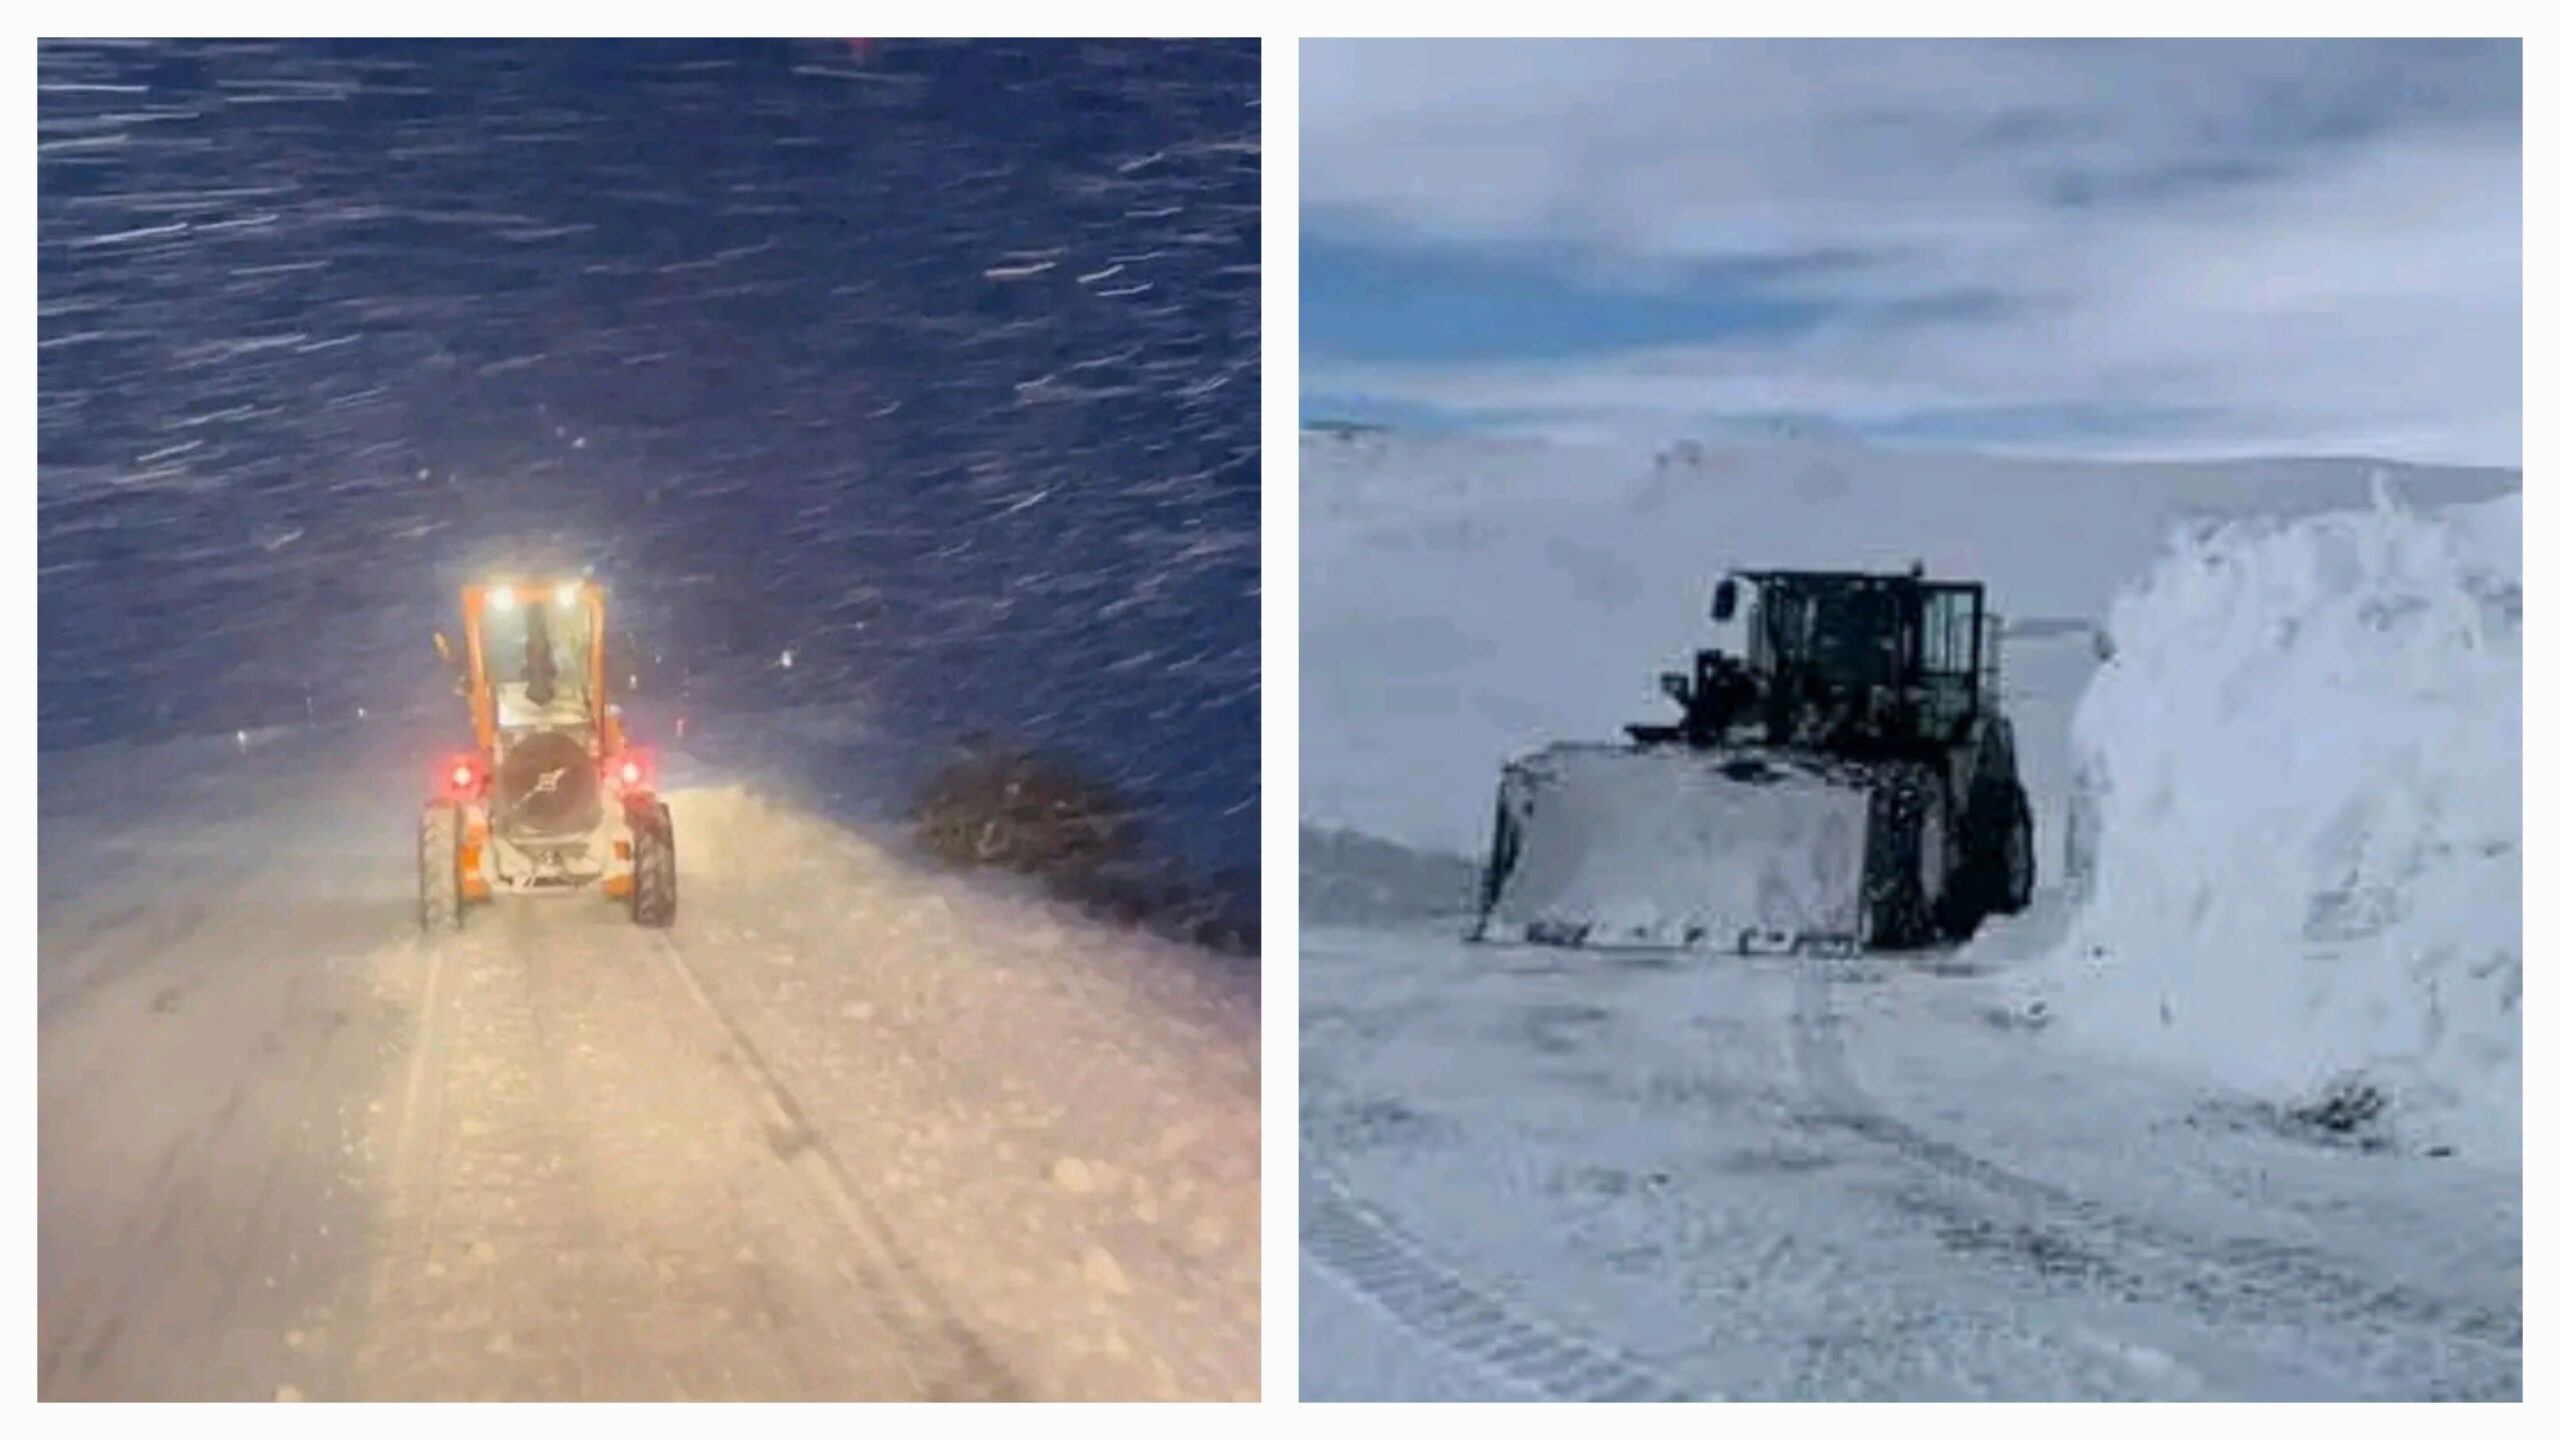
1870 630
538 649
1904 644
1846 633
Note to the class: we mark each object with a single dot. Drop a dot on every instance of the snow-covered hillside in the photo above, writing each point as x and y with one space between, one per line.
1462 599
2307 765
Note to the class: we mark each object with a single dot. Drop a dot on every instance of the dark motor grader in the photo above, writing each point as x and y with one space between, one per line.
1846 781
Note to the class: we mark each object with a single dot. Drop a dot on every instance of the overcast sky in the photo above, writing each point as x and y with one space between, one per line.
2161 249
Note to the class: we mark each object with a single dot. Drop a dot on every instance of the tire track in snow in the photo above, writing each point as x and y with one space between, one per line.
510 1134
405 1228
195 1198
414 1126
1367 1253
2243 1277
483 1215
964 1367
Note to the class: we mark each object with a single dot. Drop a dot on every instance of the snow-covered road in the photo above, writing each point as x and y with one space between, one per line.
1570 1175
850 1130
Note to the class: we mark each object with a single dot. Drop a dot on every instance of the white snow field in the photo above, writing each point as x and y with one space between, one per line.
852 1129
1580 1174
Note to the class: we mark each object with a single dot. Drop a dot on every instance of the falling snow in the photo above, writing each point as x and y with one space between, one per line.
932 367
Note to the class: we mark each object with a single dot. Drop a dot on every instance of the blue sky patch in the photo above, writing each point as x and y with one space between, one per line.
1363 302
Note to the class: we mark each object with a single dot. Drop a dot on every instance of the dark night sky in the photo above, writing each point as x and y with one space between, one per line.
935 364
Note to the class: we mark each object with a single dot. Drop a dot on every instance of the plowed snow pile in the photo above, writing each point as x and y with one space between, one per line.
2307 757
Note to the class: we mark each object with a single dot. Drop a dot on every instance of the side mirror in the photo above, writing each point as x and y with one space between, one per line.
1721 608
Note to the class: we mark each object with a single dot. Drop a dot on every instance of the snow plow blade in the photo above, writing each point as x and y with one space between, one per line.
1735 850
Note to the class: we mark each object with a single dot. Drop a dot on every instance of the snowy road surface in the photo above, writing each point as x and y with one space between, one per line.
1566 1175
848 1131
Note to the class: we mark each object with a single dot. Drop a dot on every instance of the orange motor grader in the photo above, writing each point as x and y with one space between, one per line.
552 800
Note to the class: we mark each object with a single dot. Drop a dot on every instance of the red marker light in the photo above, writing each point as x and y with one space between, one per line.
632 768
461 777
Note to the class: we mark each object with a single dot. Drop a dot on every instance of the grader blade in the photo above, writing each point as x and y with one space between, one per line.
1731 850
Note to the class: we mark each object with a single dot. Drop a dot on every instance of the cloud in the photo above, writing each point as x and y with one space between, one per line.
2193 247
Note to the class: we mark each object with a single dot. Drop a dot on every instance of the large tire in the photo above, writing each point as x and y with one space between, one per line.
1498 865
439 869
653 865
1996 874
2018 852
1906 819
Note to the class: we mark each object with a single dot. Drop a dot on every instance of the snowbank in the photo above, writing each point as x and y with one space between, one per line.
2306 767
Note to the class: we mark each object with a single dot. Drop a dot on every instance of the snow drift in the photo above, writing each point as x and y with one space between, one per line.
2305 762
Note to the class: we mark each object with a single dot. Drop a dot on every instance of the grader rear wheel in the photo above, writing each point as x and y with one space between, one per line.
653 866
